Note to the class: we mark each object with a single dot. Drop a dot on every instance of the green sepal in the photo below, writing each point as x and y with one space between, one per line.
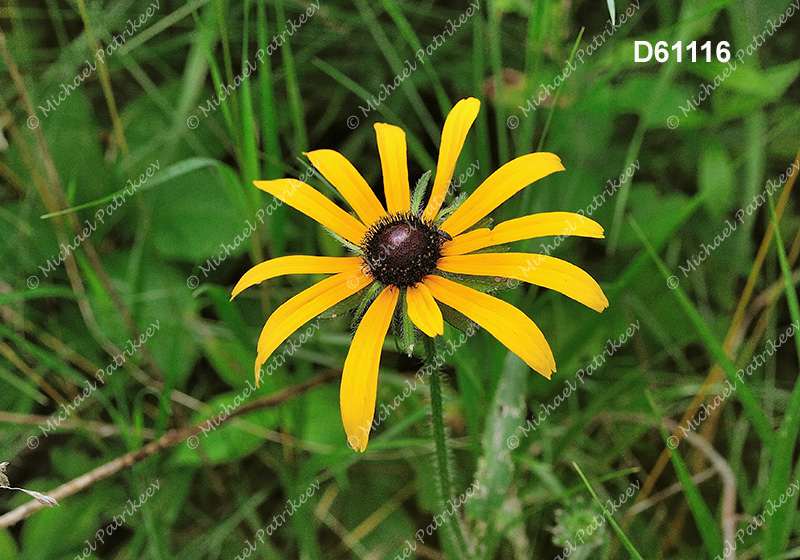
346 305
409 331
347 244
405 334
455 318
444 212
369 295
483 284
492 249
484 223
419 193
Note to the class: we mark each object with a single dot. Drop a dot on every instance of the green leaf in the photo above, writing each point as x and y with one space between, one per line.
172 172
175 345
496 467
8 546
223 440
194 219
74 523
320 406
73 129
715 179
758 86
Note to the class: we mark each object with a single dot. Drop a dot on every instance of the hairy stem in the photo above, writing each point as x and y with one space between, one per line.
453 538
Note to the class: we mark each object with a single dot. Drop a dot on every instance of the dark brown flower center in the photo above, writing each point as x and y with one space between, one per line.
401 249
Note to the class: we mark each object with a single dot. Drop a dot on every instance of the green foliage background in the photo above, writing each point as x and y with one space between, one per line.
608 115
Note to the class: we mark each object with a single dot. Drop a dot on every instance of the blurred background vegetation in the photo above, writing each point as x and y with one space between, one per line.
160 258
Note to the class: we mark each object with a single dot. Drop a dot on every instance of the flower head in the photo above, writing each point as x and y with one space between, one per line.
411 261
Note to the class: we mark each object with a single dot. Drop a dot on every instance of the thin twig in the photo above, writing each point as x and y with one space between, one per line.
719 464
167 440
717 461
671 490
100 429
44 499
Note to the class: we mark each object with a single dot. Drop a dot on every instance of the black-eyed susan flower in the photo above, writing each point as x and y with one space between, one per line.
410 261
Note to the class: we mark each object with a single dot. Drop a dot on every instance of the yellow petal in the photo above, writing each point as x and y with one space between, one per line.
505 322
360 375
548 272
454 133
349 182
315 205
305 306
394 164
499 187
526 227
423 310
545 224
293 264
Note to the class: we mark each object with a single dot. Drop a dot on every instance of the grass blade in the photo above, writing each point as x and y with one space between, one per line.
293 89
612 11
617 529
743 391
496 64
411 38
396 64
709 530
180 168
778 530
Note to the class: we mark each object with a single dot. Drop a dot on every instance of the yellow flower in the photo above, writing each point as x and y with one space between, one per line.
415 252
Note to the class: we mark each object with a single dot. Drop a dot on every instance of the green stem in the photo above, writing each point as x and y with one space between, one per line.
453 537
